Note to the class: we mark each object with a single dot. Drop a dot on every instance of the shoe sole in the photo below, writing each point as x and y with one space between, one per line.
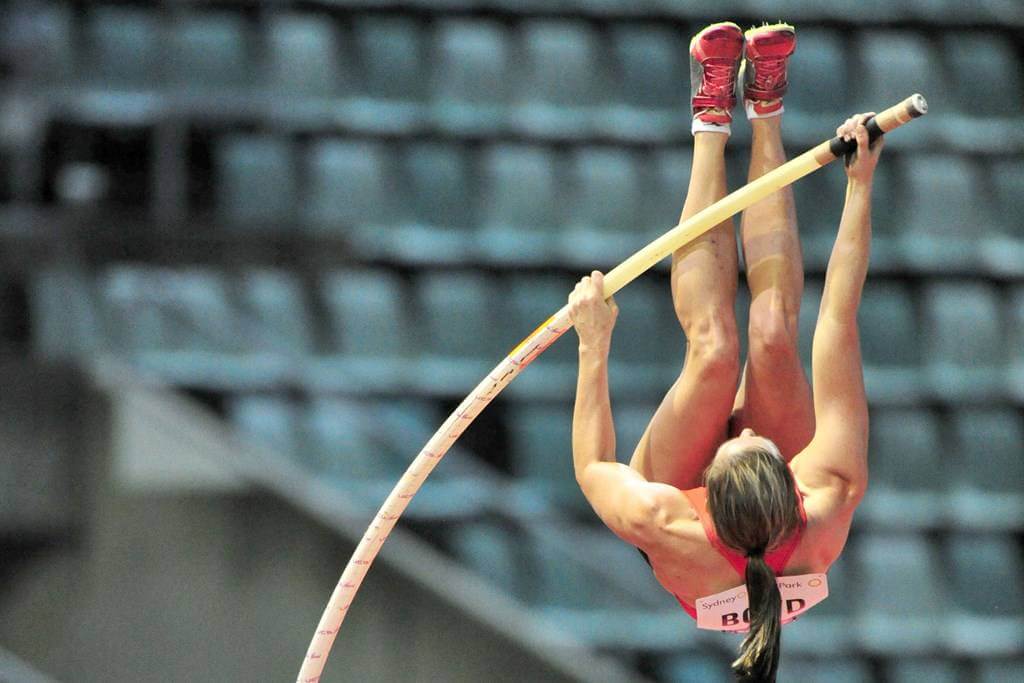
712 27
769 28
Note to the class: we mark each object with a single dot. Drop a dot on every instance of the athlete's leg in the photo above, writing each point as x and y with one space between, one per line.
692 419
774 397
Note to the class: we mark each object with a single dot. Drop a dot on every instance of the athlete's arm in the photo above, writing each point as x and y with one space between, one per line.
593 432
628 504
836 458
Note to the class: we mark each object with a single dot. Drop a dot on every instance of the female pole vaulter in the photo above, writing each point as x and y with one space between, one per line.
731 488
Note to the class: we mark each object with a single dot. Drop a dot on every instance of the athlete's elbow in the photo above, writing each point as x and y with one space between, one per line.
644 518
856 489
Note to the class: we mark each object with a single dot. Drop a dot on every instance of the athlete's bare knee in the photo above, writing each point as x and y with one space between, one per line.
773 330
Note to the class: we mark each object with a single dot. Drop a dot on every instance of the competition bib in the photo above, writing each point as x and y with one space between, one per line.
730 610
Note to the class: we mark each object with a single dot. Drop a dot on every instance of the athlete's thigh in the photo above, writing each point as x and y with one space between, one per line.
777 404
686 430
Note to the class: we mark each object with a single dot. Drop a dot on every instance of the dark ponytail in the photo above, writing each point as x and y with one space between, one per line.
759 653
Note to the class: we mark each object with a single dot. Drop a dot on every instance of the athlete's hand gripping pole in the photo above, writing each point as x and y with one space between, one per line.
543 337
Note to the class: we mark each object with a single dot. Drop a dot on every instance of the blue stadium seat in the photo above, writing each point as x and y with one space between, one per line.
337 441
209 50
471 63
888 321
607 189
66 321
36 41
1015 343
1000 670
988 488
664 190
821 61
901 598
268 421
441 184
986 71
561 76
810 305
830 621
694 667
988 601
368 314
255 180
832 669
494 550
561 63
889 341
163 310
916 670
520 203
351 186
603 206
540 435
1004 250
907 473
1008 178
563 579
305 57
392 55
273 313
458 316
895 64
947 219
631 421
123 46
648 330
652 67
819 203
964 346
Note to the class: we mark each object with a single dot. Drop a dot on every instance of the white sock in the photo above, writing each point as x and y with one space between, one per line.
705 127
748 105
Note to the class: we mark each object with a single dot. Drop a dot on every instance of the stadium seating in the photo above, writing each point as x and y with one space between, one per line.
381 198
255 180
908 482
209 50
988 492
305 56
123 46
901 594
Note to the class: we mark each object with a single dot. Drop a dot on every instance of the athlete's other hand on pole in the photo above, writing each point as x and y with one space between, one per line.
861 164
591 315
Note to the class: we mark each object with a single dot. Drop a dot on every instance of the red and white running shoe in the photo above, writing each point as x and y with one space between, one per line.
763 73
714 66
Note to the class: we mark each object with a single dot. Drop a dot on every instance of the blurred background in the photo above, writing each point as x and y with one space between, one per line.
253 253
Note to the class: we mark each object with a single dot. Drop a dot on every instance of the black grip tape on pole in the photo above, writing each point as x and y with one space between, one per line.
840 147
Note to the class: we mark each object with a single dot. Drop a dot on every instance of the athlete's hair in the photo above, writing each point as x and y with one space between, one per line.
753 503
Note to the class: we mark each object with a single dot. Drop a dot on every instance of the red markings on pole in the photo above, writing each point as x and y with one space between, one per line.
361 562
326 632
349 584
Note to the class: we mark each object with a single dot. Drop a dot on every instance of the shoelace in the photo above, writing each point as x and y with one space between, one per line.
719 76
768 73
